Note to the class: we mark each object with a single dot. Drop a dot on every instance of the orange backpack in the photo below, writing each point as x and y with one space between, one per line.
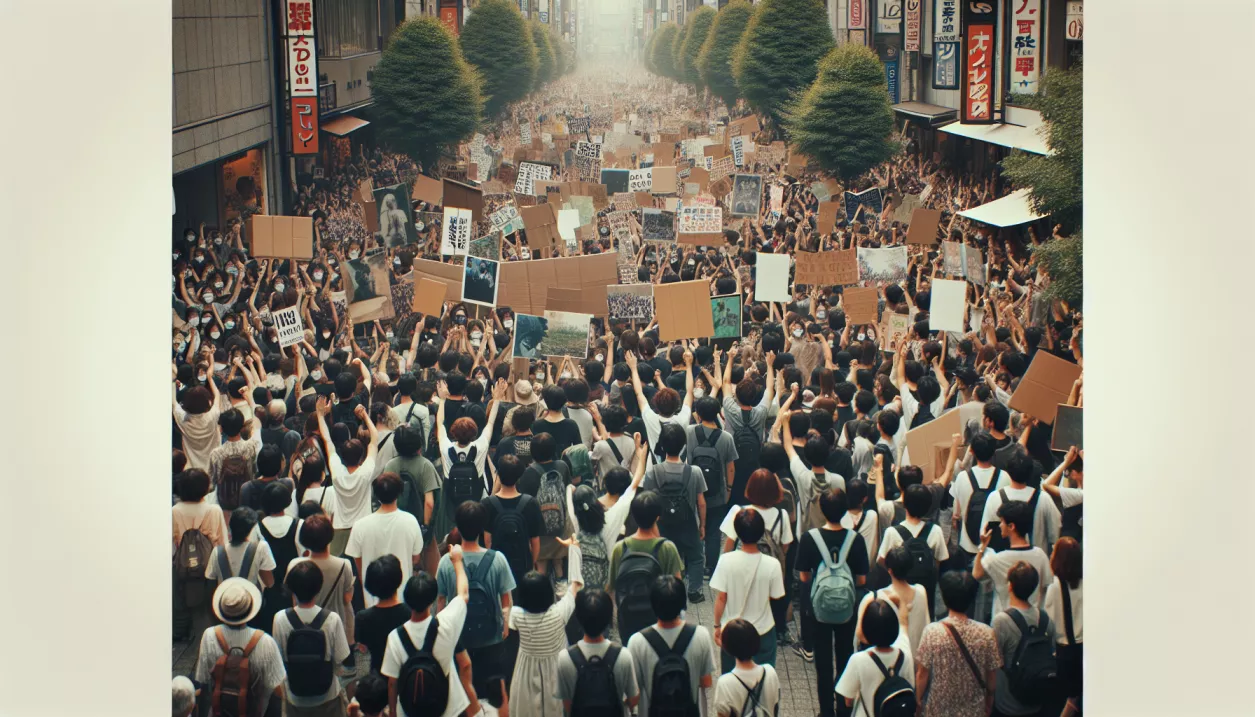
232 677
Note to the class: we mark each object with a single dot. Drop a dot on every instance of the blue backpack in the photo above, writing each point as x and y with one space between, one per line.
832 589
483 606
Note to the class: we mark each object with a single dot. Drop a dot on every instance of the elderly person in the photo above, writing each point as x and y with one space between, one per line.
184 697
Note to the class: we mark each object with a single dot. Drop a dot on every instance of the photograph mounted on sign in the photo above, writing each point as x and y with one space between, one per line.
566 334
631 301
882 266
529 335
396 221
366 284
893 331
657 225
747 195
873 199
486 247
725 313
479 281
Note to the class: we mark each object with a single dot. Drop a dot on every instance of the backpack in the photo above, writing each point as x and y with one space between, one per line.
192 557
791 498
310 670
431 442
832 588
1032 674
423 687
595 561
463 482
637 572
677 515
246 565
889 474
580 463
894 697
232 677
752 706
411 500
923 570
509 534
671 692
748 443
706 457
976 505
483 607
552 499
770 543
596 694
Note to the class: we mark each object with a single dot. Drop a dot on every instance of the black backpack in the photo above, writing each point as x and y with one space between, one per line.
677 515
596 694
509 534
671 691
894 697
423 687
1032 674
310 670
706 457
748 443
976 504
632 584
463 482
483 606
923 570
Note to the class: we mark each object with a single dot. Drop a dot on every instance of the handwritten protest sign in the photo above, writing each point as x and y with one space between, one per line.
873 199
528 173
738 151
455 238
288 324
860 304
640 180
591 150
827 268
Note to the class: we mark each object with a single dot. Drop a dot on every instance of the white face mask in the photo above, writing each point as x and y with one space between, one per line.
821 315
318 276
202 377
217 284
326 334
279 288
220 367
208 298
389 335
477 335
230 325
199 260
540 377
601 357
508 323
354 254
862 336
797 333
483 382
214 335
194 321
699 392
232 270
565 375
189 236
316 375
396 261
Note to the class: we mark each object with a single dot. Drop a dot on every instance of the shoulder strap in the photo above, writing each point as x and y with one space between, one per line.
332 591
246 565
433 630
406 642
967 655
656 642
408 416
1019 621
897 665
224 563
822 546
683 639
903 532
483 566
618 454
752 693
222 639
700 432
861 519
293 619
846 545
577 657
320 618
993 480
657 547
470 455
876 660
612 655
453 455
1067 611
252 642
1003 493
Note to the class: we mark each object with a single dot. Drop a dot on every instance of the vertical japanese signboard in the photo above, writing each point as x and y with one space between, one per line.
891 78
980 38
449 15
911 39
1026 20
858 15
1076 20
888 17
302 75
946 45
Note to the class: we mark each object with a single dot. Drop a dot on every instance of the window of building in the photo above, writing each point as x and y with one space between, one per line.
347 27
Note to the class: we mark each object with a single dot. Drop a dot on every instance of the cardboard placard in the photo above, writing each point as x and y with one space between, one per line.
525 284
280 237
700 177
893 331
923 226
448 275
683 310
1069 429
644 199
772 282
746 126
541 224
457 194
860 304
715 151
429 296
827 219
428 189
559 299
664 180
699 224
904 208
370 215
949 297
921 441
1045 385
827 268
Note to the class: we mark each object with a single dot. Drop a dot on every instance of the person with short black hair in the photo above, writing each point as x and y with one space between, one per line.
1022 582
374 624
243 556
304 581
667 596
883 624
916 529
957 660
594 610
748 580
1064 604
387 531
1013 521
682 488
540 620
748 687
1014 484
370 696
714 451
521 548
352 468
338 583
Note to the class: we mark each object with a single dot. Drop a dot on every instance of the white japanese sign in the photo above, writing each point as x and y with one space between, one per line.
1025 46
641 180
528 173
456 231
289 326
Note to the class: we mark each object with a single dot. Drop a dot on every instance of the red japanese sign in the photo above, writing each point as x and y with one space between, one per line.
449 16
299 18
980 21
305 125
858 14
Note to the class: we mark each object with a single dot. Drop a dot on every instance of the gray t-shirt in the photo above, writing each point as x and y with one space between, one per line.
624 672
604 459
733 419
1008 637
666 472
700 655
726 447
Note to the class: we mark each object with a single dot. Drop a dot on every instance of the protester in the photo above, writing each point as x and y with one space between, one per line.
674 661
746 581
957 659
596 676
682 490
311 640
387 531
749 689
256 687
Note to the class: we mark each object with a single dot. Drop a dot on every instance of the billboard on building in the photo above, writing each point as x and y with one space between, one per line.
980 71
946 45
1025 55
298 27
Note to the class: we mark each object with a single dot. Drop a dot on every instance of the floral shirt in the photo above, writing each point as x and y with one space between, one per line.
952 689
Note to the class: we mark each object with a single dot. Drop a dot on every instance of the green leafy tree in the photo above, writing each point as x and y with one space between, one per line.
546 67
715 59
844 121
780 51
568 56
497 41
427 96
661 54
698 30
1062 259
677 53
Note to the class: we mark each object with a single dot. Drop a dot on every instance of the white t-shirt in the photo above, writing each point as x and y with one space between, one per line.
805 479
352 492
861 676
481 454
263 559
936 539
915 622
1046 519
870 529
1070 497
961 490
1054 608
451 620
752 581
730 692
910 406
653 423
997 565
337 648
324 496
784 533
378 534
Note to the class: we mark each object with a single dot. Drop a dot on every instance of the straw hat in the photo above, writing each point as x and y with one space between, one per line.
236 601
524 394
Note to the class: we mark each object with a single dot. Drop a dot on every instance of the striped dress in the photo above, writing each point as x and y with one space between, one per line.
542 638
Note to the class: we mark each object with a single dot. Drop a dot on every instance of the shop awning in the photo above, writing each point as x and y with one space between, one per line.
1006 135
344 124
1009 211
933 113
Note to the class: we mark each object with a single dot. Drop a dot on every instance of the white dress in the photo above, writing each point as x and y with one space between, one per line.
542 638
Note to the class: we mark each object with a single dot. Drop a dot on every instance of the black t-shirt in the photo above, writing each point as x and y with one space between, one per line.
634 426
250 492
566 432
529 482
520 446
498 427
453 409
533 523
373 626
808 557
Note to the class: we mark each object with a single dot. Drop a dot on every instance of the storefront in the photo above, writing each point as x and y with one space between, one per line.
919 122
220 192
342 136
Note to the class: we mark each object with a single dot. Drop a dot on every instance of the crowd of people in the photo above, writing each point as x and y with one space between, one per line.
531 541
